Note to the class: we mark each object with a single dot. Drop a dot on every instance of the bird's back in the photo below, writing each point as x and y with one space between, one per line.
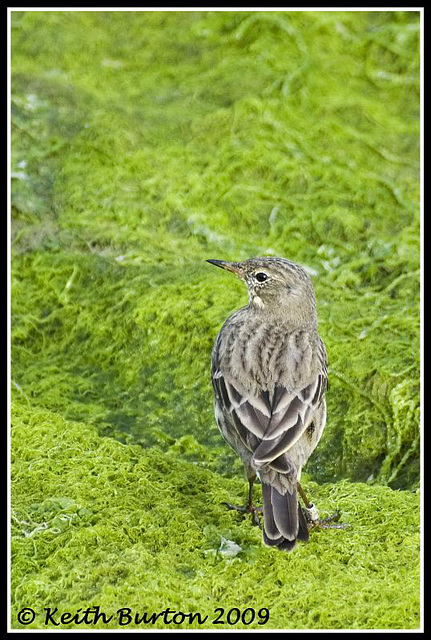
258 355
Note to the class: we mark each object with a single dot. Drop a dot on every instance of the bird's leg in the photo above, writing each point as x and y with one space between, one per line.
249 507
312 515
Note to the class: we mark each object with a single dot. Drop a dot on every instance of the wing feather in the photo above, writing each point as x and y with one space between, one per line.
268 450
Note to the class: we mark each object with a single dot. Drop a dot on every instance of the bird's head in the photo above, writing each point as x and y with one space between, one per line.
277 286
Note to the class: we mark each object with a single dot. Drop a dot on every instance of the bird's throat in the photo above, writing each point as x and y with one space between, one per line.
257 302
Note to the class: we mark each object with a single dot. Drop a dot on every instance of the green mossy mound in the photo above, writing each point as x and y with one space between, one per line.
100 523
142 144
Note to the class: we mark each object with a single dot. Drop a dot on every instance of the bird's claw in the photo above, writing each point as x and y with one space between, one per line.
330 522
249 508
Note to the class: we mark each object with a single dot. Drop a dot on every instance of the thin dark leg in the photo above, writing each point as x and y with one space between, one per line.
250 491
303 496
250 506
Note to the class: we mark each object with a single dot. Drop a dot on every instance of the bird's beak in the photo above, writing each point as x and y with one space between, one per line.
234 267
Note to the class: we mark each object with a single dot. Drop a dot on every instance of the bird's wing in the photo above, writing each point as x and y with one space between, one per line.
269 425
291 414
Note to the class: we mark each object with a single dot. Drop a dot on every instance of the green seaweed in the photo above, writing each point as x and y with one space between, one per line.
100 523
142 144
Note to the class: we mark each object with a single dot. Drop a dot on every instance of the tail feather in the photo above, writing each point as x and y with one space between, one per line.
285 510
270 527
283 518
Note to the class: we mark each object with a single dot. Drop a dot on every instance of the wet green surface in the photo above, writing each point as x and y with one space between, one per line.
144 143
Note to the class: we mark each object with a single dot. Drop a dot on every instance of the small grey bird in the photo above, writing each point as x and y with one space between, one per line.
269 373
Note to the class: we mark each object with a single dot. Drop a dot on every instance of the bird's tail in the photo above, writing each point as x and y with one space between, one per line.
283 519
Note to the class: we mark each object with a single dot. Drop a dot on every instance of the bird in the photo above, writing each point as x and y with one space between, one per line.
269 375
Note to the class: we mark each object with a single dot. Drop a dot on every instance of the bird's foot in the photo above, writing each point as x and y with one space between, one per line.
330 522
248 508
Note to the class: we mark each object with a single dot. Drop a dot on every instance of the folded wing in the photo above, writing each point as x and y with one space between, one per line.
269 424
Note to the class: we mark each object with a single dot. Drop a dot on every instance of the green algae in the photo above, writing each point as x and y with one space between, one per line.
99 523
142 144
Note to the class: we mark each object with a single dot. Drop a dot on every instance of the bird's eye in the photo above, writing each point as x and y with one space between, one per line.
261 277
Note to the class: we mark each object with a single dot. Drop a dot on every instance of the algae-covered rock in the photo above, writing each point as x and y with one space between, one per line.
144 143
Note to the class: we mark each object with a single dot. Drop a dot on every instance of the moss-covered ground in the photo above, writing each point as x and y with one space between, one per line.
142 144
